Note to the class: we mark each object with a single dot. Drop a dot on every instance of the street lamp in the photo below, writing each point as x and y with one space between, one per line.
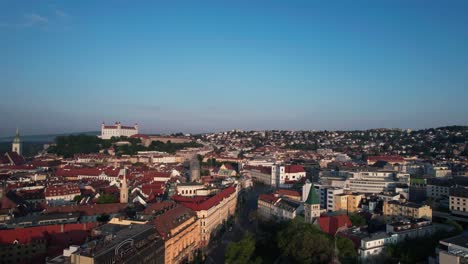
341 228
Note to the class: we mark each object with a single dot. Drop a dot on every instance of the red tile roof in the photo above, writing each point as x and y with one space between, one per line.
211 201
6 203
293 169
157 188
29 234
74 172
287 192
59 190
157 207
171 219
15 158
268 198
330 224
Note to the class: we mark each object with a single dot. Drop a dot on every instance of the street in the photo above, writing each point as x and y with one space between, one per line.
247 203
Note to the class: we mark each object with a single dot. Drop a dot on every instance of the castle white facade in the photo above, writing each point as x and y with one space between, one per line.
117 130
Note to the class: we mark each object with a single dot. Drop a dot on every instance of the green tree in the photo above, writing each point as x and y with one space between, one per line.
347 253
77 198
304 243
106 198
357 220
241 252
67 146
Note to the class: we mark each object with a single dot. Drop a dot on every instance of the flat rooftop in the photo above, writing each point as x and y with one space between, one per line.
114 235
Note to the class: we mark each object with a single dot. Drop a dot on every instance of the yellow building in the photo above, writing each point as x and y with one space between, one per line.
341 202
180 230
347 202
354 199
212 212
407 209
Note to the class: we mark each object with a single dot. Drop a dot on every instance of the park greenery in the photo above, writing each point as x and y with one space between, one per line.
106 198
68 146
29 148
357 220
289 242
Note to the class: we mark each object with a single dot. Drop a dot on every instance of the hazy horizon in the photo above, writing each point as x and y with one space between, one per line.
216 131
214 66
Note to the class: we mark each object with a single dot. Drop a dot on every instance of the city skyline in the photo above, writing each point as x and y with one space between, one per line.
201 67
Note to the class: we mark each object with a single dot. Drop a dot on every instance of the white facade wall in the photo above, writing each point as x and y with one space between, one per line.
331 193
437 191
118 131
279 175
371 182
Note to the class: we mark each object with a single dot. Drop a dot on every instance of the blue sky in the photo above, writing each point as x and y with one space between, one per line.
193 66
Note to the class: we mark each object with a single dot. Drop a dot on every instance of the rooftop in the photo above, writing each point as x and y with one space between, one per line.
113 235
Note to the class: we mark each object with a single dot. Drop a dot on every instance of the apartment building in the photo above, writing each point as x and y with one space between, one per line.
397 209
458 201
372 181
211 211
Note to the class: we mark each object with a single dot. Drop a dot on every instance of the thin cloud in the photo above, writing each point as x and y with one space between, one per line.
61 13
36 19
28 20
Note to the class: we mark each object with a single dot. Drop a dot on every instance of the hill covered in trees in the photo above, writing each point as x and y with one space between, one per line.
67 146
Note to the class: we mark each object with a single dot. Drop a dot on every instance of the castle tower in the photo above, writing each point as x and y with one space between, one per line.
16 145
194 169
124 189
312 205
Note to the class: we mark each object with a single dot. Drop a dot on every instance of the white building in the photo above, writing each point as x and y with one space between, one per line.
408 229
271 207
259 174
372 181
453 250
374 244
117 130
438 188
330 199
282 175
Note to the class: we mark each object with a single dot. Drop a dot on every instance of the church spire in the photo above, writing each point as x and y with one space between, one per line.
16 145
17 137
312 206
124 188
313 197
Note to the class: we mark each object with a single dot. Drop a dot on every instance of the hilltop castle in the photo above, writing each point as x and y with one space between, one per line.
117 130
